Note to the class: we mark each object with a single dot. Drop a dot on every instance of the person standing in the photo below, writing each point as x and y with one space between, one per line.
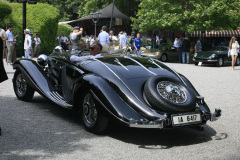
175 44
233 50
59 40
27 44
3 37
37 46
10 45
180 40
137 45
112 39
103 39
64 39
198 46
185 50
132 41
122 40
75 37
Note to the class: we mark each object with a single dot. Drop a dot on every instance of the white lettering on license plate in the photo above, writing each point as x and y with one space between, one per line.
186 119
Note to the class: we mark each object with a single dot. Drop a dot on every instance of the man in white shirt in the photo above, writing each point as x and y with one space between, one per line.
37 46
95 52
10 44
176 44
103 39
27 44
64 39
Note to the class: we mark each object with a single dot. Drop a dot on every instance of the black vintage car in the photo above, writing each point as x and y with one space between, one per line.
138 92
218 56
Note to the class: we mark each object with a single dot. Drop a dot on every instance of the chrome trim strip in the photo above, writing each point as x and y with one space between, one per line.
152 61
118 62
173 71
140 65
157 115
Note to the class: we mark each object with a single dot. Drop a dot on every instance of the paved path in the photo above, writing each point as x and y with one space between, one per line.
41 130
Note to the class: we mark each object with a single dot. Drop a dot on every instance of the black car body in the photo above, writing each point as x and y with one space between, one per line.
218 56
138 92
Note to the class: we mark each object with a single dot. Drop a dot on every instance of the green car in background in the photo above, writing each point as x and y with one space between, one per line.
218 56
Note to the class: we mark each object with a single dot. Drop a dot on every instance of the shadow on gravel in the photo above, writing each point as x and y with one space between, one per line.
165 138
39 129
42 130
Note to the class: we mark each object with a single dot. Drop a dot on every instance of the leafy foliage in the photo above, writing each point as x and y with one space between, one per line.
41 18
5 10
64 28
188 15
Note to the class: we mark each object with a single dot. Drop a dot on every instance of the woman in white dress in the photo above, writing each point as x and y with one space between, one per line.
233 48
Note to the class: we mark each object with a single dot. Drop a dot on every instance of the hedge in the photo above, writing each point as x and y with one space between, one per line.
5 10
41 18
64 28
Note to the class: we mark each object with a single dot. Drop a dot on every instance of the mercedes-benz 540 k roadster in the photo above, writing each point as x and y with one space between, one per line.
135 91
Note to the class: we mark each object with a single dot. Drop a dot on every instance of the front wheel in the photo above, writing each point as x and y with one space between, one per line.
92 115
219 62
22 90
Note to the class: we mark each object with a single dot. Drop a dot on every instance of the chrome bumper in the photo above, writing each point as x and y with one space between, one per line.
146 124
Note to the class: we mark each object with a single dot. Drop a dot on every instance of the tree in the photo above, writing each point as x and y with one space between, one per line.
5 10
188 15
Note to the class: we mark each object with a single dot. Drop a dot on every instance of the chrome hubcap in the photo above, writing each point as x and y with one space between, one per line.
164 57
21 84
171 91
220 62
89 109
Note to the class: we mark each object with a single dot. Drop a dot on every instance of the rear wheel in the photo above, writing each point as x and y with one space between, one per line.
22 90
92 115
163 58
237 61
219 62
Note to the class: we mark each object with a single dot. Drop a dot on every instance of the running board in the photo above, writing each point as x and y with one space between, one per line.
58 99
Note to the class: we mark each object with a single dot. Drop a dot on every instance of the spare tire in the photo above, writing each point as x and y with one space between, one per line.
168 94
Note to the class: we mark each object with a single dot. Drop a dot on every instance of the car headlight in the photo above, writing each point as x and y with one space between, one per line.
157 53
212 56
195 54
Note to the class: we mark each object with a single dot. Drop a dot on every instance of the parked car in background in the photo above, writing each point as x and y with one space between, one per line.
218 56
163 54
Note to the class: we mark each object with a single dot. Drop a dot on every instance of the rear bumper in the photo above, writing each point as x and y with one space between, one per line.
167 122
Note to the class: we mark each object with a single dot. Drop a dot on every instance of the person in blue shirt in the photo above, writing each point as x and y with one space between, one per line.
137 45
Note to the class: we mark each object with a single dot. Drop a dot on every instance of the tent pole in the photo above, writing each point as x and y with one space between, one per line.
112 15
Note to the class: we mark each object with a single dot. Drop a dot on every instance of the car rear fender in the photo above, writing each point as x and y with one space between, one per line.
109 99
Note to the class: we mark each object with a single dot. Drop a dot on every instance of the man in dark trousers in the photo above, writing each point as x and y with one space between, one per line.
185 50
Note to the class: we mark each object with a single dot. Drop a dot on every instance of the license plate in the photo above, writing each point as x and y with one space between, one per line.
178 120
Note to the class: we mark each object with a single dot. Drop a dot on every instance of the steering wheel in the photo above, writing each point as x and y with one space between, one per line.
80 52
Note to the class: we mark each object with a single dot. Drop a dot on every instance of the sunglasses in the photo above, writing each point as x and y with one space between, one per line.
92 48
